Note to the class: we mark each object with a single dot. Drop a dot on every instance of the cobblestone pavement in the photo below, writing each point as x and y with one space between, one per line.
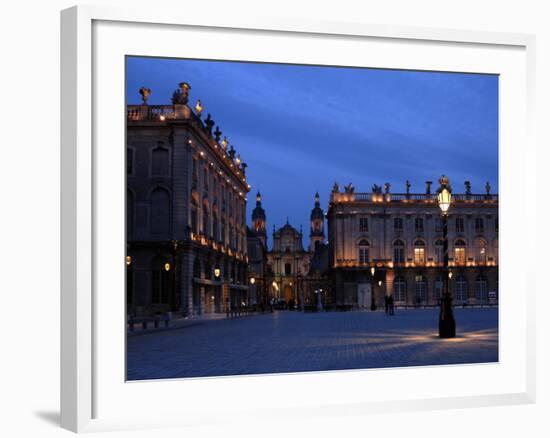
293 342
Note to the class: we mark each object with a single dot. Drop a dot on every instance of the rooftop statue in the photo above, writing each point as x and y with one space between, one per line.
217 133
181 95
209 123
468 187
349 188
336 188
145 93
198 108
488 188
376 188
408 187
387 187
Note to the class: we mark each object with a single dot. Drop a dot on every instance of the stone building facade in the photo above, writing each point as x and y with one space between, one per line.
186 211
381 243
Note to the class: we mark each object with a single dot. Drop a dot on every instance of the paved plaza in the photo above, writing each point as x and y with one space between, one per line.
282 342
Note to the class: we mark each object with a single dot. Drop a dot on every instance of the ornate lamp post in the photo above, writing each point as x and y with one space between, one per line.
447 325
372 302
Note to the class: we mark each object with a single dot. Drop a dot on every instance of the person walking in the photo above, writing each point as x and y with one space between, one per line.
386 304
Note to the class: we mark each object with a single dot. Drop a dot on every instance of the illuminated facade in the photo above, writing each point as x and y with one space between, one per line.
400 236
186 211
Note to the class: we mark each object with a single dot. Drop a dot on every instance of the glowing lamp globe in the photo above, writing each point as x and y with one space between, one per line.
444 199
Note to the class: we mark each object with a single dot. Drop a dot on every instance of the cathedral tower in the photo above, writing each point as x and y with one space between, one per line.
258 220
317 233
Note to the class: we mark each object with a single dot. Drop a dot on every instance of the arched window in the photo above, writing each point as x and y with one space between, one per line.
420 288
460 252
439 255
419 252
398 252
481 251
399 289
160 211
461 288
159 281
160 162
481 289
363 252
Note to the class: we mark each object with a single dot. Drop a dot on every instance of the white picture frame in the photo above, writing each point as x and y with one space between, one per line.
86 178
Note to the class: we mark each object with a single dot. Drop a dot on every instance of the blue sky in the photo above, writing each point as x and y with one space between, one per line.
301 128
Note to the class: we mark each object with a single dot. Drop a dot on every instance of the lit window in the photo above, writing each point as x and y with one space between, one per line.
363 252
419 252
460 252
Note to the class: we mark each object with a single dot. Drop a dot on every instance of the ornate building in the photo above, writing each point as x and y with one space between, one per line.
382 243
186 211
299 273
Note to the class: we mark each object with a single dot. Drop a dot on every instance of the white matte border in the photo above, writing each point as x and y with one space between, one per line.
122 404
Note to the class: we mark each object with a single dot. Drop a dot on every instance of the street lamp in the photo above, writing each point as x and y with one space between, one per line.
447 325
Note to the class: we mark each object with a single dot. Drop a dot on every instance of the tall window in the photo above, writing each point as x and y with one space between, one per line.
288 269
461 289
459 225
481 251
222 238
215 234
419 225
160 211
496 224
194 220
481 289
195 169
363 252
419 252
398 252
460 252
160 162
398 224
363 224
399 289
205 221
205 178
480 225
439 251
420 288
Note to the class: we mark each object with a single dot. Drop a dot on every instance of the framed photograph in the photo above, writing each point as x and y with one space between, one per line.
291 217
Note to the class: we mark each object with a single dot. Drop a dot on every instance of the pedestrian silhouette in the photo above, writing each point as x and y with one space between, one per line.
387 304
390 304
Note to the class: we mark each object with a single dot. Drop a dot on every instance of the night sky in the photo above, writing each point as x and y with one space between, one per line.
301 128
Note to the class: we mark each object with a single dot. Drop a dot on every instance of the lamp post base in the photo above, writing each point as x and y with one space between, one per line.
447 327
